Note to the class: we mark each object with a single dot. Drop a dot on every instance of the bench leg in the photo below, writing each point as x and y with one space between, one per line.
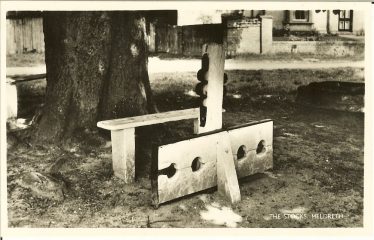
123 154
196 126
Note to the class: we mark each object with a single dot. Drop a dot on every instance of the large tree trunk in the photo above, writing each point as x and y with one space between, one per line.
96 69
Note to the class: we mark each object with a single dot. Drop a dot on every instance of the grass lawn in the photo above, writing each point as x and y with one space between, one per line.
326 38
275 57
25 60
318 163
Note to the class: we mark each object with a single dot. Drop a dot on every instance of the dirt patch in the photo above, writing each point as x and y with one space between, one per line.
343 96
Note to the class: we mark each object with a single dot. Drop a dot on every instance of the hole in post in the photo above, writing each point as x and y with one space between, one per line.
242 152
225 78
205 62
261 147
169 171
202 75
196 164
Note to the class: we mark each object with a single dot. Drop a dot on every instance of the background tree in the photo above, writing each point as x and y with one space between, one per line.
96 69
205 19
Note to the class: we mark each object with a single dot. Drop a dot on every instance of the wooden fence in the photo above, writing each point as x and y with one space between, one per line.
186 40
24 35
240 36
195 36
168 39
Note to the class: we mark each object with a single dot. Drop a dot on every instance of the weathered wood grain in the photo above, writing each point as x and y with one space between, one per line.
227 180
250 137
123 154
24 35
123 137
149 119
214 98
213 149
186 181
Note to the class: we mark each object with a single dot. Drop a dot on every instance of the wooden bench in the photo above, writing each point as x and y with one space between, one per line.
123 137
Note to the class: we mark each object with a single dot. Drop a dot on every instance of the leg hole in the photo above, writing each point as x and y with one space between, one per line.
169 171
242 152
196 164
261 147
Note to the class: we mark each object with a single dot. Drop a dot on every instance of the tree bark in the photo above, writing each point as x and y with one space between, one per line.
96 69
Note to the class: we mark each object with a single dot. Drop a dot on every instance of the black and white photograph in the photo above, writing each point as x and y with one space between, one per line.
193 115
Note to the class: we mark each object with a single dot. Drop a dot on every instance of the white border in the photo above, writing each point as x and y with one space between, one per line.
150 233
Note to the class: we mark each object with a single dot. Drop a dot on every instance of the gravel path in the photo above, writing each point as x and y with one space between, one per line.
156 65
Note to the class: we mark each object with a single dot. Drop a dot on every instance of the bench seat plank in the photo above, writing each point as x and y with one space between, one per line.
149 119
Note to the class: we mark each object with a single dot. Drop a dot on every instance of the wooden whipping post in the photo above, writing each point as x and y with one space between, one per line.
211 91
210 88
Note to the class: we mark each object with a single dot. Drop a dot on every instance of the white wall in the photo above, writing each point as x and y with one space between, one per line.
334 20
320 21
358 21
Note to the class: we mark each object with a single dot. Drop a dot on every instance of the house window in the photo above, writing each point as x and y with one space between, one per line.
300 15
345 20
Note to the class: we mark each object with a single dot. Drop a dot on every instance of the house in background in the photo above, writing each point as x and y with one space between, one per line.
321 21
184 32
